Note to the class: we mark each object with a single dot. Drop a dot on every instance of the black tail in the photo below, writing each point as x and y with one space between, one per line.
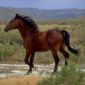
66 37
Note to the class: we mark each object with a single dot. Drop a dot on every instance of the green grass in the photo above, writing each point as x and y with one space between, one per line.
73 21
67 76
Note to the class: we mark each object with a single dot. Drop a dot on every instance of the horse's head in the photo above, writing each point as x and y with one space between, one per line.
20 22
13 24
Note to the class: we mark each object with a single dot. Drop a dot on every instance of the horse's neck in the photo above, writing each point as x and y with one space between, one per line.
24 31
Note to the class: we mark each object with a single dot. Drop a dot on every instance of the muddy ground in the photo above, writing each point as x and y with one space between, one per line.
9 70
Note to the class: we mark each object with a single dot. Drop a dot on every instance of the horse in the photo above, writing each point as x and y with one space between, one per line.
35 41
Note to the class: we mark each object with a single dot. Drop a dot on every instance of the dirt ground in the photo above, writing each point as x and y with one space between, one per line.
27 80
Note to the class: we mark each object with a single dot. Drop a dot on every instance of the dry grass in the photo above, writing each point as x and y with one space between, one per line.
31 80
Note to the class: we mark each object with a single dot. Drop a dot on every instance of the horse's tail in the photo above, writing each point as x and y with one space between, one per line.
66 37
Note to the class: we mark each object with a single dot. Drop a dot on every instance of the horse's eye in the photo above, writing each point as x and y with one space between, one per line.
11 21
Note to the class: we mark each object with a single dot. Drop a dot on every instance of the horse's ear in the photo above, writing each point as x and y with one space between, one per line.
17 15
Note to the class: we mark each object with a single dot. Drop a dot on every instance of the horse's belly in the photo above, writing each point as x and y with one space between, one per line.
41 47
41 50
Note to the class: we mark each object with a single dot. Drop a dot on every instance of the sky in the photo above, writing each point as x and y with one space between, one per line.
44 4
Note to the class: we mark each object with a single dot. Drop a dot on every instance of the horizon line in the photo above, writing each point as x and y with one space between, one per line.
40 8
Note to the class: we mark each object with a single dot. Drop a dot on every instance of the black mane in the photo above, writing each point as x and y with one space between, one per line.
29 21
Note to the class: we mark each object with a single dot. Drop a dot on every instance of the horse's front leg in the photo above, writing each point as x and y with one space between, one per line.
27 61
31 65
27 58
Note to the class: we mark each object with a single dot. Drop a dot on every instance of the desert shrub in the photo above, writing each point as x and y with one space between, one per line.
6 50
67 76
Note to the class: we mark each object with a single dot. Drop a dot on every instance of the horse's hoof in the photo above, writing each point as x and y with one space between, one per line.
28 72
53 73
35 68
66 63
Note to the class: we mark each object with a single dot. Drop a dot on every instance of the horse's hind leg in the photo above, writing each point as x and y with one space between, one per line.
66 54
56 59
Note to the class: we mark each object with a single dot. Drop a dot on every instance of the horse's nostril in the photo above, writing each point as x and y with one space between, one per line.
6 30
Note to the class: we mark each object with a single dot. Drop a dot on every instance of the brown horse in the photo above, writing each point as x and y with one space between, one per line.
36 41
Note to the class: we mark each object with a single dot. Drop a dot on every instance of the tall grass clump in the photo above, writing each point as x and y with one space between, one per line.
67 76
6 50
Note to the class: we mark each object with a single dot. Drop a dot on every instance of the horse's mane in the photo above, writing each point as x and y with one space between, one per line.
29 21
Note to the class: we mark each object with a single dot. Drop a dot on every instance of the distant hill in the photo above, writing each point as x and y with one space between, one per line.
39 14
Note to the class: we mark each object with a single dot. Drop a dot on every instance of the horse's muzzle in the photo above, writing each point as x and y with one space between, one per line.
6 30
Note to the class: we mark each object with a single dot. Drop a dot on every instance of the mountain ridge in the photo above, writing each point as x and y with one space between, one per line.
6 13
